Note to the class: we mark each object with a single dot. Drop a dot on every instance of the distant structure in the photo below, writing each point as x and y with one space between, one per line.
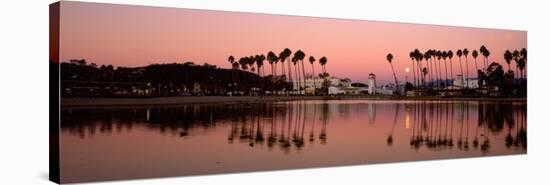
462 82
371 84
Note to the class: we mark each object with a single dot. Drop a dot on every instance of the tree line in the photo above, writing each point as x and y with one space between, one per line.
431 69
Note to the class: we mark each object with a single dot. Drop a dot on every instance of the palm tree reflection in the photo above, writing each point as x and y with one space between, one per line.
431 131
433 124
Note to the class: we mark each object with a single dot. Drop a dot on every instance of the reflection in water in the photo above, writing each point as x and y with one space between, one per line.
435 124
285 124
212 138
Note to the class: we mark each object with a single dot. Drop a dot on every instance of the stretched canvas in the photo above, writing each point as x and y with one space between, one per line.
144 92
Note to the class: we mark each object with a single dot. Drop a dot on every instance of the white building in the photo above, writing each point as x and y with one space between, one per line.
318 82
332 90
461 82
384 90
371 83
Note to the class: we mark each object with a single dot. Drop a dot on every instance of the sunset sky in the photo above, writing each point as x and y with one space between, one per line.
124 35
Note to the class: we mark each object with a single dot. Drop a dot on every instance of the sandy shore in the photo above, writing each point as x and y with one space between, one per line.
117 102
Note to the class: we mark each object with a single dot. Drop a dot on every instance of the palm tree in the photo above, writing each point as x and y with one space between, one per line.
475 54
243 61
231 60
508 58
523 60
523 53
251 60
516 56
389 57
434 55
255 61
282 58
428 57
294 62
424 71
437 65
445 55
271 58
411 55
439 55
323 62
459 54
260 63
313 76
465 52
450 55
419 57
286 55
300 55
486 53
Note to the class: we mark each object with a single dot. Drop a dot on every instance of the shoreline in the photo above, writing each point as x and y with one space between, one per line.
183 100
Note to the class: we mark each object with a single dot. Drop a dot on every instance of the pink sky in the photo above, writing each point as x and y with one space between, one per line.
124 35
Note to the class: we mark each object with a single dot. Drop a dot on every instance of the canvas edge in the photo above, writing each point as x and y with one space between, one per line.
54 153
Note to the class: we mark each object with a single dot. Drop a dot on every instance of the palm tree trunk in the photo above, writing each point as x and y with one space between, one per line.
395 78
517 71
289 70
451 67
461 73
275 70
430 72
486 64
304 75
477 69
297 77
283 70
446 77
420 74
414 73
272 72
313 77
467 73
440 76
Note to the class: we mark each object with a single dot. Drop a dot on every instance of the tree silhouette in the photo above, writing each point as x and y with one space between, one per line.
466 52
389 58
459 54
486 53
299 56
450 55
313 76
412 56
475 54
271 57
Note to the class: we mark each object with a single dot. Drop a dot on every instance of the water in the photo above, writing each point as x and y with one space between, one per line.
124 143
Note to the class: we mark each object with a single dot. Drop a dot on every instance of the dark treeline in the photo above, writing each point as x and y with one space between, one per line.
82 79
432 73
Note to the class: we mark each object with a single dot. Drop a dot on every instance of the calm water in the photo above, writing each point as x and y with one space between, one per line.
123 143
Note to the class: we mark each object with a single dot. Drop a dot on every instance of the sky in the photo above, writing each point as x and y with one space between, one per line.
132 36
